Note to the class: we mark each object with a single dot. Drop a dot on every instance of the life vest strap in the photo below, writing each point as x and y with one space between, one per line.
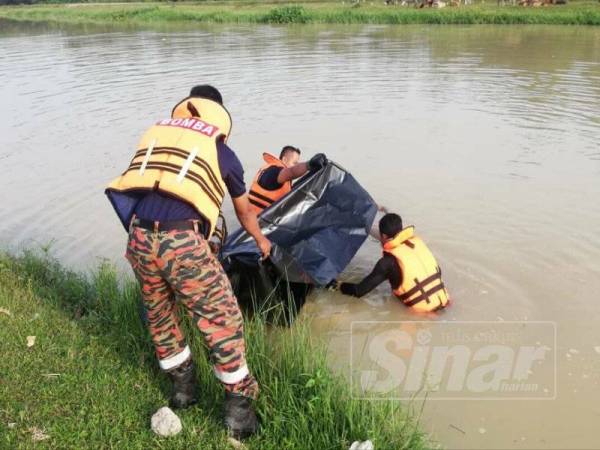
218 234
191 175
192 109
439 307
257 204
221 233
265 199
425 295
184 154
262 198
420 285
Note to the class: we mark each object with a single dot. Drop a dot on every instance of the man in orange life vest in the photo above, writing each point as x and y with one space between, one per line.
409 266
274 179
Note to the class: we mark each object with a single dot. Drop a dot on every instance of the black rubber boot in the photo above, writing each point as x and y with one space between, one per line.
240 418
184 385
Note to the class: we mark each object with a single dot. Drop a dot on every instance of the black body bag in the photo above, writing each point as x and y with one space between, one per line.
316 229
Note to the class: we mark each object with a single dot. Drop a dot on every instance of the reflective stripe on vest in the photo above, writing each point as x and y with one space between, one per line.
178 156
422 287
197 160
261 198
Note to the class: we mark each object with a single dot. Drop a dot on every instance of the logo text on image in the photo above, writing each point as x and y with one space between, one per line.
454 360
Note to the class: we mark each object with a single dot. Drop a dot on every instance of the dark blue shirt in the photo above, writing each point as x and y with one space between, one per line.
162 207
268 179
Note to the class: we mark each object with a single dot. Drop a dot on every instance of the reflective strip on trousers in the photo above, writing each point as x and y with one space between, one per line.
175 361
232 377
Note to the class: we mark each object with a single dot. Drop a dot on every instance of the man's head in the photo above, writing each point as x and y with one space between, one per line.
389 226
207 91
290 155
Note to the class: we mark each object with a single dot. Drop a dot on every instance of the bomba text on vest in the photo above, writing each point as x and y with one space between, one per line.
190 124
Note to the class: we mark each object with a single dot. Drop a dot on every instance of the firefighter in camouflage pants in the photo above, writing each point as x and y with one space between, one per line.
187 166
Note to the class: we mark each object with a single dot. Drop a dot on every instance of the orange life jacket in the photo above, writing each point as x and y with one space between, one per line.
261 198
178 156
422 287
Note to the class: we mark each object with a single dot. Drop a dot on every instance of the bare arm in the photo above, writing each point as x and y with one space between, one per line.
291 173
247 218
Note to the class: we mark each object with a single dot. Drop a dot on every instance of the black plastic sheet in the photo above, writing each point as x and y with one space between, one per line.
316 229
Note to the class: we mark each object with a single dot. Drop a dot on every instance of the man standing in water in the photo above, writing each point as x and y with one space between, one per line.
274 179
408 265
169 199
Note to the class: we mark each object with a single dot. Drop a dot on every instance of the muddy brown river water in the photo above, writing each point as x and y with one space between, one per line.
486 138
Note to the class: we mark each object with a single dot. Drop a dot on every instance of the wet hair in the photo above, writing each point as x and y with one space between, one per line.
287 149
390 225
207 91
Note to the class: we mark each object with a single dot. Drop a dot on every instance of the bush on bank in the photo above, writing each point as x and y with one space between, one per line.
576 13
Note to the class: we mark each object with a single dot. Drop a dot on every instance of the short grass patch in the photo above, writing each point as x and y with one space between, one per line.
90 380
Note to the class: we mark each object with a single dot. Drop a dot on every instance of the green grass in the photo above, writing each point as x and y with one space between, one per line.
576 13
91 379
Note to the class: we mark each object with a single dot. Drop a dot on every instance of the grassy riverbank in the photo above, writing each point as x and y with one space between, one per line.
581 12
90 378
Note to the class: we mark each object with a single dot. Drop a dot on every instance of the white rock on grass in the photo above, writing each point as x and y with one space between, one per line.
38 435
236 444
358 445
165 422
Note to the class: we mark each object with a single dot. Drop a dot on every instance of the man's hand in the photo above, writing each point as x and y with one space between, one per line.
291 173
264 246
382 209
317 162
333 285
247 218
215 247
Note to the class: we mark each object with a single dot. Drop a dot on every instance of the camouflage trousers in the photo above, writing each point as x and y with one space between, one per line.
178 267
